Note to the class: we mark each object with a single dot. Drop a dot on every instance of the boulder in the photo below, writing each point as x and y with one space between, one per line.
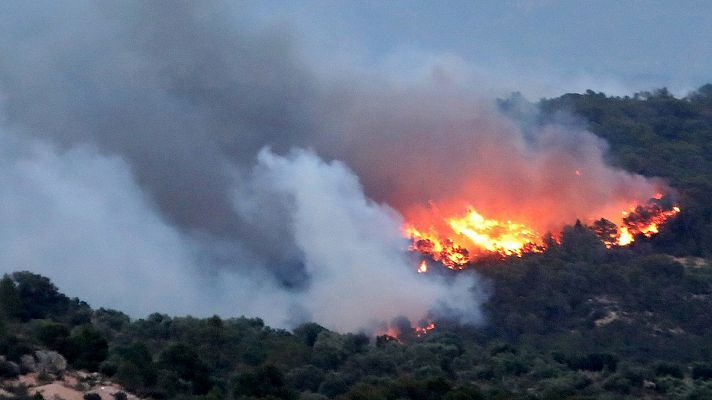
28 364
50 362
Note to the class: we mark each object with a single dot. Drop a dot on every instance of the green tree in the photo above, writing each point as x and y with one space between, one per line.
308 332
10 305
261 382
86 348
184 361
53 335
38 296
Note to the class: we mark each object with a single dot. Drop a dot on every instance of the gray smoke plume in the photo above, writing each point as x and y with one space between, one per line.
151 163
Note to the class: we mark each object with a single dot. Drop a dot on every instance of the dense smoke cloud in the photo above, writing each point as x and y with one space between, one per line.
435 142
80 218
140 129
352 248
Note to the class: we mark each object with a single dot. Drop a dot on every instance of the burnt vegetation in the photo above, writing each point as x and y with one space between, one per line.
577 321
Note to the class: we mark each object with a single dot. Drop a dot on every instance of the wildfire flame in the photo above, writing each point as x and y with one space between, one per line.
473 234
457 240
400 333
421 331
644 220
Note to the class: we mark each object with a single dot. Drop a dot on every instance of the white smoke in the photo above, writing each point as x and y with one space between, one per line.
352 248
79 218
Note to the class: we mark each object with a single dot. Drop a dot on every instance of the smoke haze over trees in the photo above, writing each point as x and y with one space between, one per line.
162 159
131 136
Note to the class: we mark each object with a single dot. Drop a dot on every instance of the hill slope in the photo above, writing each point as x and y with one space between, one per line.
577 321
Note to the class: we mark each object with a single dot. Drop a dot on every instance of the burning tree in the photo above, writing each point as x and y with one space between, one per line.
455 241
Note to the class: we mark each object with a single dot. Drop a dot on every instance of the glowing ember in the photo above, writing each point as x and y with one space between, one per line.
421 331
399 333
423 267
454 241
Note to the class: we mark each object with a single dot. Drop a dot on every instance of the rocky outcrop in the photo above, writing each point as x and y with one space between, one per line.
28 364
49 362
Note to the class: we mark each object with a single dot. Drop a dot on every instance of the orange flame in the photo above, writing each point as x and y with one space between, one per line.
473 234
508 238
624 238
421 331
423 267
454 241
644 220
399 333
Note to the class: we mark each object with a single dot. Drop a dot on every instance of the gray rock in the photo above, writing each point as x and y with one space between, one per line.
50 362
28 364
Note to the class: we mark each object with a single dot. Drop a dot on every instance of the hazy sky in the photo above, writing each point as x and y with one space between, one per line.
540 47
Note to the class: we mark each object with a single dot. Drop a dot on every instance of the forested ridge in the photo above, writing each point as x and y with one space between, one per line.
656 134
577 321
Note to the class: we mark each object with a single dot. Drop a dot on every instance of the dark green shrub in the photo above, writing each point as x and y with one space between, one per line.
702 371
262 381
667 369
121 396
9 369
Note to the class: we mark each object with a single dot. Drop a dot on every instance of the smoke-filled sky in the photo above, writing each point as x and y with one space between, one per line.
210 157
538 47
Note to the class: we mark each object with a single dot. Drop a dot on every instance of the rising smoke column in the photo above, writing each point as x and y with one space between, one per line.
80 218
435 143
352 247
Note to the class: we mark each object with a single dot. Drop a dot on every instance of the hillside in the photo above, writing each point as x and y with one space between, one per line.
578 321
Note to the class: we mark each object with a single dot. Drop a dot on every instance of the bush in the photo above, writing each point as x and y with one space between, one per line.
464 393
8 369
702 371
589 362
108 368
53 335
618 383
308 332
333 385
312 396
667 369
121 396
305 378
87 348
182 360
261 382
